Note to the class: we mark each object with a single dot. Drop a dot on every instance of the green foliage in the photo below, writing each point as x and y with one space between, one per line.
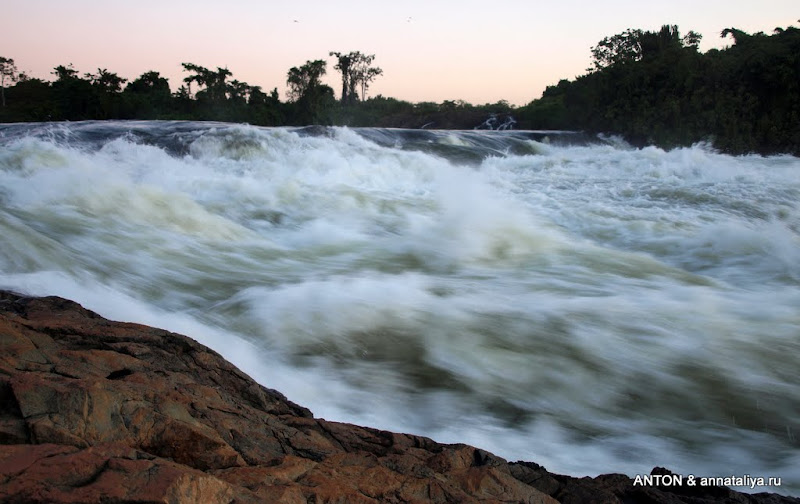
312 100
149 83
634 45
65 73
365 73
75 98
344 65
655 87
618 49
305 80
106 81
100 96
148 96
357 71
215 90
648 86
29 100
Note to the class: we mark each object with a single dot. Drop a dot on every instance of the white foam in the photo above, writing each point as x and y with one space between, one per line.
569 307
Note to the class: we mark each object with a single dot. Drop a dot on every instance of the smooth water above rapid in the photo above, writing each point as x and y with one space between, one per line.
545 296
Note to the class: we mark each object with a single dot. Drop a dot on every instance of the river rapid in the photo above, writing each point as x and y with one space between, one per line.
546 296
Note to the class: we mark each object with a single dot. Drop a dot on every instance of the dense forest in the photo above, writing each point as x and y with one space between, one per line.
207 94
650 87
657 88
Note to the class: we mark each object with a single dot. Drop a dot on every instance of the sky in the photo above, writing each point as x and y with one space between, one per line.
480 51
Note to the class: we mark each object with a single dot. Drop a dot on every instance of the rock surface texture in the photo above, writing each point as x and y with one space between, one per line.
99 411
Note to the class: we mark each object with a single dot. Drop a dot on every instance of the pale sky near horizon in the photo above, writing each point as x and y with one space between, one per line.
473 50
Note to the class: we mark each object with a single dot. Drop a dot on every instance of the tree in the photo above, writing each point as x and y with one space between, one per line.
692 39
149 83
343 65
656 87
739 36
365 73
149 95
202 76
305 81
182 93
311 100
8 70
77 99
634 45
197 77
106 81
356 72
65 73
621 48
216 87
105 102
256 95
654 43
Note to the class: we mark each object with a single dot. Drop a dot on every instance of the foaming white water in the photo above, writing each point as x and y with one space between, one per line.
593 308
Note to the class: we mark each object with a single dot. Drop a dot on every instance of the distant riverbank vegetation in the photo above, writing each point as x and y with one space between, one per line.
650 87
657 88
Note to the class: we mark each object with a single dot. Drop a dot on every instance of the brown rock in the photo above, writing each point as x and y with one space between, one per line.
101 411
50 473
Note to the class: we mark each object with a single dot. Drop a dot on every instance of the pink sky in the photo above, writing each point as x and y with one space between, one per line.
479 51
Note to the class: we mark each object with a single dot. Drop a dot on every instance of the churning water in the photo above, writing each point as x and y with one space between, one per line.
548 297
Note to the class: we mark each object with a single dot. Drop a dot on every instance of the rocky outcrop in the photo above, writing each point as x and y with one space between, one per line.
99 411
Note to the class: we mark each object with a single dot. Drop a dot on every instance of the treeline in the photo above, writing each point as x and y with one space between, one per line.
214 94
105 95
657 88
651 87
